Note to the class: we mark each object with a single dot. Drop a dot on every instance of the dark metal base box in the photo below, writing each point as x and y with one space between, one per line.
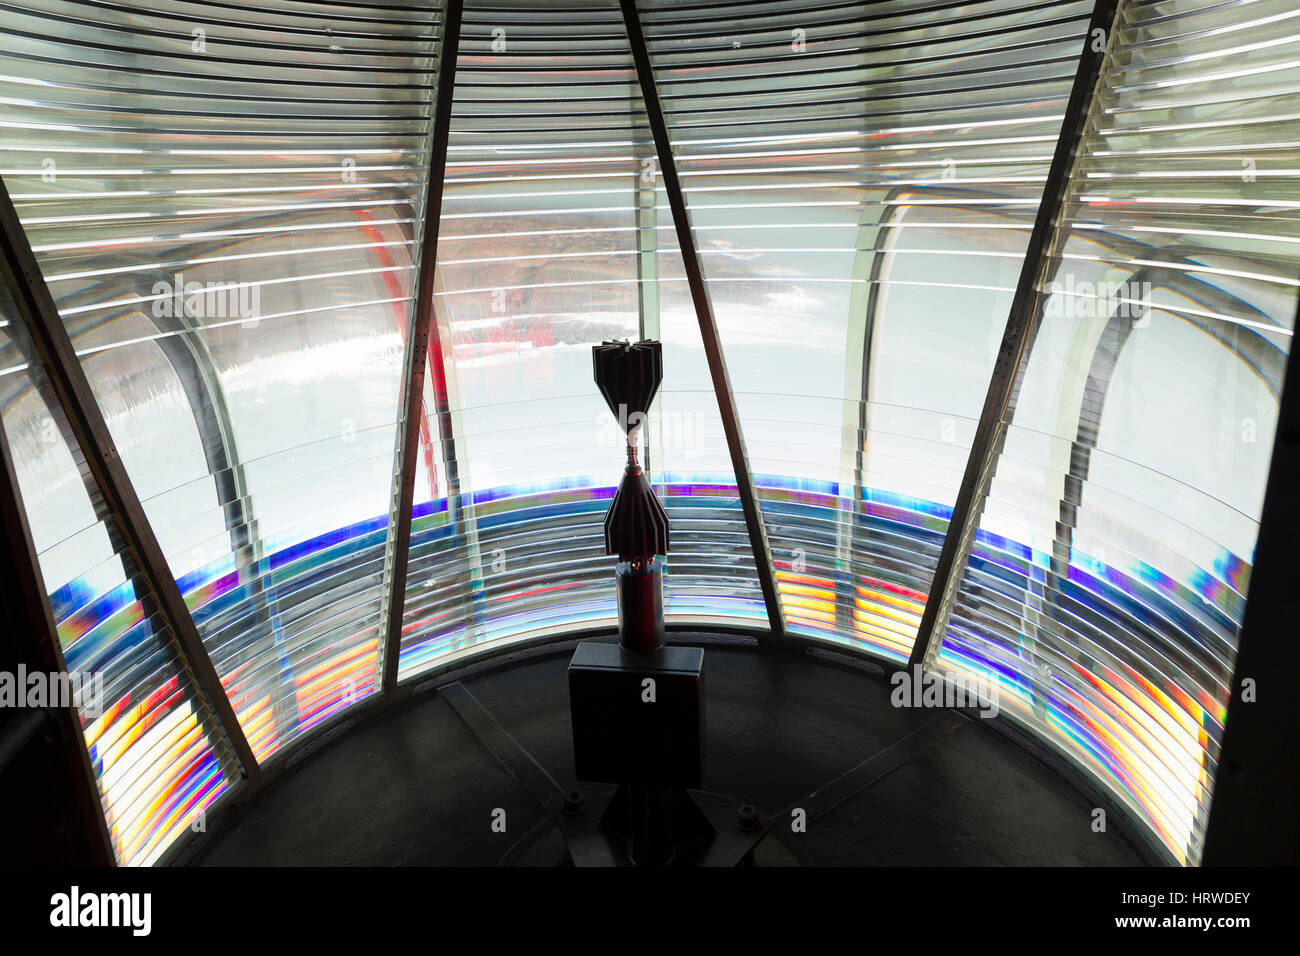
638 717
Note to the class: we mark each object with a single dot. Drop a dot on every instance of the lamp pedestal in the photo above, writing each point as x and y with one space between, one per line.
637 707
640 604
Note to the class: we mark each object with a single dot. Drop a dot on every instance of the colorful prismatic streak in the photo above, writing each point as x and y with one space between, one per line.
1111 701
156 768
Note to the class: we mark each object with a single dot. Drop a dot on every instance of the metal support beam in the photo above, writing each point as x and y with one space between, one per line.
1252 812
423 348
708 324
1013 353
53 348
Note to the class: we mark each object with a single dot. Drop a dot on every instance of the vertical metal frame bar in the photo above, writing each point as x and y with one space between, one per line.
708 324
1023 322
1252 809
53 348
423 348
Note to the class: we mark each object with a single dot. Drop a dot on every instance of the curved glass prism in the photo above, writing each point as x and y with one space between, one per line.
226 202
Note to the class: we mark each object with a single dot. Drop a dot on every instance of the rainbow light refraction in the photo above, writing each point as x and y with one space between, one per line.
1149 737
